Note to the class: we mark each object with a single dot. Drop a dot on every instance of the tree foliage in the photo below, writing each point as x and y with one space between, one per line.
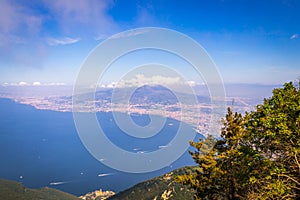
257 156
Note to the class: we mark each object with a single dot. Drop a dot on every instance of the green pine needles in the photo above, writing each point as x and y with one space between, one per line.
258 155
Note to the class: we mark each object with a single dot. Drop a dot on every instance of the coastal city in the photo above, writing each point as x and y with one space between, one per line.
198 115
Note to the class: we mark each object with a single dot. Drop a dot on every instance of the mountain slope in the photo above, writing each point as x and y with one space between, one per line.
162 187
11 190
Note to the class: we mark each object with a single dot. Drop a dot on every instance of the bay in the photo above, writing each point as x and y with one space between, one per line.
42 148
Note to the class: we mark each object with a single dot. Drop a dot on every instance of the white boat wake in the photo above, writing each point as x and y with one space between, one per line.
59 182
103 175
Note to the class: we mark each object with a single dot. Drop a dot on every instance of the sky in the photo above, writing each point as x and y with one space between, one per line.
46 42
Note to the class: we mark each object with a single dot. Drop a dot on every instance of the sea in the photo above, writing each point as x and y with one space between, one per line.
41 148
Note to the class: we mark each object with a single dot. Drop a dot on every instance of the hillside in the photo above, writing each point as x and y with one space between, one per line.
162 187
10 190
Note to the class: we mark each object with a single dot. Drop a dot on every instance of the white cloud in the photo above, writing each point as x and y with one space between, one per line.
62 41
20 28
14 17
23 30
130 33
54 84
8 17
111 85
294 36
140 80
90 16
175 84
191 83
36 83
18 24
22 83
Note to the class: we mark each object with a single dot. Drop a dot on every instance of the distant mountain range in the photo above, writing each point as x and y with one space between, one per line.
146 94
149 97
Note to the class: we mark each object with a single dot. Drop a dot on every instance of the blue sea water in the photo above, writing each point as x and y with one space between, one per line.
41 148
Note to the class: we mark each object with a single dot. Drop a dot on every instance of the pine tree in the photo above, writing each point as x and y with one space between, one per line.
257 156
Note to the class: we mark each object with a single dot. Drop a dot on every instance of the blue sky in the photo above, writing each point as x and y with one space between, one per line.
250 41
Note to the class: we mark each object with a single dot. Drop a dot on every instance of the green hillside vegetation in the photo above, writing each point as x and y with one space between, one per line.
162 187
258 155
11 190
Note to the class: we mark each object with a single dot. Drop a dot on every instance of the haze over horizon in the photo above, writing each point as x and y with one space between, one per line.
46 42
